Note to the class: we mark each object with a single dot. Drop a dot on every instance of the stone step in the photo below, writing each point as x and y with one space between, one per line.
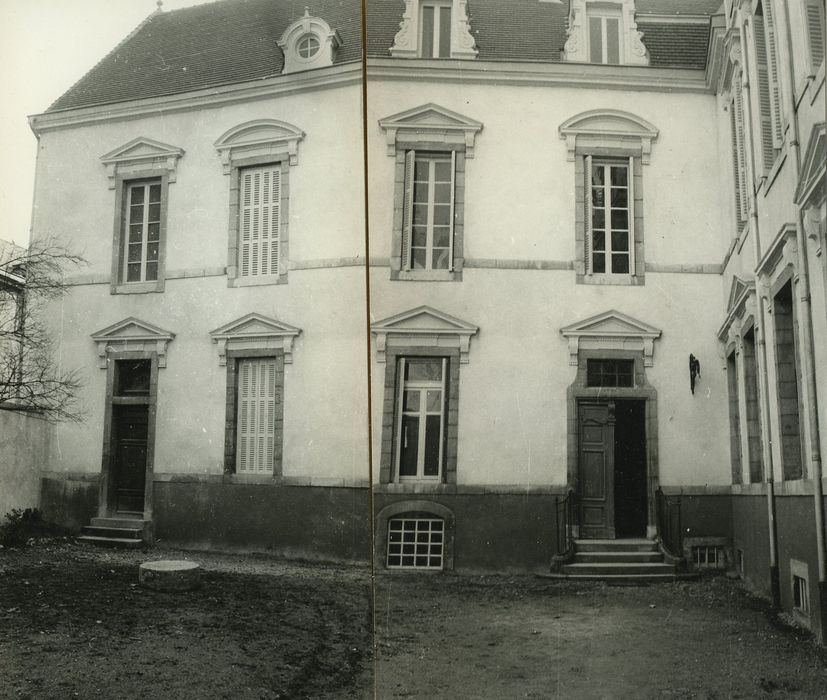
625 545
125 522
617 557
129 533
624 569
111 541
629 579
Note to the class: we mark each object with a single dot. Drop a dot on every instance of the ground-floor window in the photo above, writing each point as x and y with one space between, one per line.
256 415
416 542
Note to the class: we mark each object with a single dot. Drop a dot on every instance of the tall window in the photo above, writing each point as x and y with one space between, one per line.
256 417
142 231
428 230
736 110
421 418
259 221
787 377
609 220
814 11
435 35
604 38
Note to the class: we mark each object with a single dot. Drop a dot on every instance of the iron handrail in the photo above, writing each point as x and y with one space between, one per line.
566 511
670 527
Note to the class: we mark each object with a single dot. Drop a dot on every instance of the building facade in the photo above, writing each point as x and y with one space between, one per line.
567 250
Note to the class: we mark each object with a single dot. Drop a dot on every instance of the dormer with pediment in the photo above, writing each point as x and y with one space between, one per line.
139 157
435 29
611 330
604 32
131 335
255 334
309 43
423 327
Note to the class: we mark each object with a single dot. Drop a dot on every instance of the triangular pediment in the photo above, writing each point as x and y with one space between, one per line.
142 148
737 290
132 329
430 116
254 325
611 323
423 319
811 180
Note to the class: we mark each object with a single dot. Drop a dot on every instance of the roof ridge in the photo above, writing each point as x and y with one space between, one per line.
123 41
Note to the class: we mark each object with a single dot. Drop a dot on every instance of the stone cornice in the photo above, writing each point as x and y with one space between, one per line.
541 74
336 76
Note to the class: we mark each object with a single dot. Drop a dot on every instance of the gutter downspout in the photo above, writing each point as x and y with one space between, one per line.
775 581
807 343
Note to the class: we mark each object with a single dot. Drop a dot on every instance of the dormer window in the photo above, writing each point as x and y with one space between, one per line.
604 32
308 46
434 29
435 24
309 43
604 36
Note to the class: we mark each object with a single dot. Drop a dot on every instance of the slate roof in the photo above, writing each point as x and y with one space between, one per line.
233 41
205 46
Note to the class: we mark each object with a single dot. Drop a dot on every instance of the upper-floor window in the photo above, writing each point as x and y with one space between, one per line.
260 221
609 246
142 231
814 16
429 208
604 36
435 30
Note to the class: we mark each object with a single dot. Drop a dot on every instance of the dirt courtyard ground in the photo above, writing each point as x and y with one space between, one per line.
75 624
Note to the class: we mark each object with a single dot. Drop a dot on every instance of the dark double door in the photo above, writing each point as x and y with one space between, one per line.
130 425
612 468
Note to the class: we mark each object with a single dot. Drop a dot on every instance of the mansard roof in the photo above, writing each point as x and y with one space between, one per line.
531 30
194 48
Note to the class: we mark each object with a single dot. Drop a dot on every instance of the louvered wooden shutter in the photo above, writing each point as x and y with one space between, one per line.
775 85
735 167
407 209
255 425
400 397
740 151
587 213
815 31
630 194
451 219
260 221
764 100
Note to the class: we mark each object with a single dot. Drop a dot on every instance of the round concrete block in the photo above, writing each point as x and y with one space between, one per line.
170 575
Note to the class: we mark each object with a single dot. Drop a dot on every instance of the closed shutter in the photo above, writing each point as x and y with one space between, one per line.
739 217
740 150
764 101
260 221
587 213
407 209
815 31
255 425
630 194
774 78
453 188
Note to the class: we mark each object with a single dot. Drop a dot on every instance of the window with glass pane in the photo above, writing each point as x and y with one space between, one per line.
610 373
132 377
421 418
610 218
431 212
435 39
604 39
142 231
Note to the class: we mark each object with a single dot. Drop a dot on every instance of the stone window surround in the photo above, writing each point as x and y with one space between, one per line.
419 506
642 390
406 43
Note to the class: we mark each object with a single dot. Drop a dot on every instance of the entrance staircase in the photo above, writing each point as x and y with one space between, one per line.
121 531
625 561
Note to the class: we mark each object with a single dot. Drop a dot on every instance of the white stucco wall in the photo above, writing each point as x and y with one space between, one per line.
24 452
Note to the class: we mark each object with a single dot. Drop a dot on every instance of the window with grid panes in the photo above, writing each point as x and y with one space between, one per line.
610 373
142 231
259 214
421 418
255 421
435 30
428 227
604 37
609 244
416 543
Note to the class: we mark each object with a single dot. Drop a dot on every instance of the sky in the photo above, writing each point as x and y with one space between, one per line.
45 47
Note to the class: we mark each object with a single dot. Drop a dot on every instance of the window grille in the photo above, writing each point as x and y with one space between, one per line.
708 557
416 543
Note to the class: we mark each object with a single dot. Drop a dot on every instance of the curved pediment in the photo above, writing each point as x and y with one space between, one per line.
423 326
608 127
260 137
611 330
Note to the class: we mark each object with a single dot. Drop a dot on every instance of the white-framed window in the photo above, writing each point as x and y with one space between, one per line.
142 223
308 45
428 226
814 17
420 426
259 211
609 242
256 414
416 542
604 36
801 600
435 30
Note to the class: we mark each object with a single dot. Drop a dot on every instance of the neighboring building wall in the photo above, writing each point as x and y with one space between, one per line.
25 442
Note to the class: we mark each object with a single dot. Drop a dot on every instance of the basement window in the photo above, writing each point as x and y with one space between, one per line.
416 543
708 557
801 602
739 562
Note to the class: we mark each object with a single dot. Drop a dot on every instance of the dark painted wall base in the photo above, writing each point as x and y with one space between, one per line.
71 503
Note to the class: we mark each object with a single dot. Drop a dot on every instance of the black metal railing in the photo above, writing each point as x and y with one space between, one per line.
566 518
670 527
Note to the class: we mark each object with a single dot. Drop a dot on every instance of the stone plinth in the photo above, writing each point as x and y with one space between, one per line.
170 575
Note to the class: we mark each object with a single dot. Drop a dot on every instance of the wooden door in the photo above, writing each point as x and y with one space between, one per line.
130 424
596 469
